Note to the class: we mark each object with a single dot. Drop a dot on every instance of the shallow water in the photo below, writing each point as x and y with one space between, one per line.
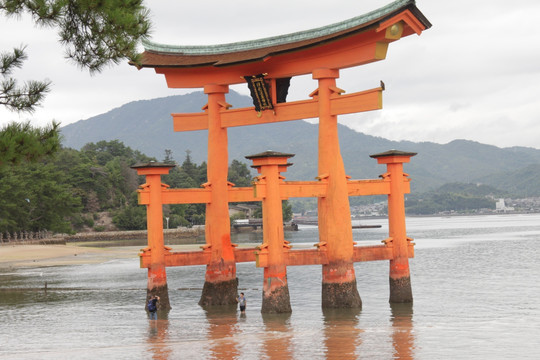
474 280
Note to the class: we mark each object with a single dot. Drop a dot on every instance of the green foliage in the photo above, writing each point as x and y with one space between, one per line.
302 205
22 142
239 174
94 33
192 171
178 178
32 199
286 210
177 221
520 183
452 197
471 189
100 173
168 157
104 151
80 220
191 175
13 96
66 190
131 218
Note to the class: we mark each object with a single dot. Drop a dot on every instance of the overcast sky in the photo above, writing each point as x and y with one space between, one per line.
474 75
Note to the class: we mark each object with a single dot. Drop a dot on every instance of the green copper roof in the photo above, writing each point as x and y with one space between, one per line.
277 40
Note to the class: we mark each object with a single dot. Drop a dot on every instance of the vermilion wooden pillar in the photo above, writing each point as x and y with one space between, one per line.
157 274
339 288
221 284
400 278
276 297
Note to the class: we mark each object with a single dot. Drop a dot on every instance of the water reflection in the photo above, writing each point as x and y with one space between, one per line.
402 335
341 333
158 337
277 340
221 332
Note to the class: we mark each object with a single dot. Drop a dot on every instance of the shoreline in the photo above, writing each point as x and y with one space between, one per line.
79 250
20 256
28 256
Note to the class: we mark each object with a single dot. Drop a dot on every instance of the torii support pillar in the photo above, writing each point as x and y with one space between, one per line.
221 284
157 274
339 288
276 297
400 278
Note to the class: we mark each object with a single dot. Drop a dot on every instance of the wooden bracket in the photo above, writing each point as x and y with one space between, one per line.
336 90
224 104
321 245
206 185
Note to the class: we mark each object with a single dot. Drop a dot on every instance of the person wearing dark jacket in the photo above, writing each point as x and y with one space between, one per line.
152 307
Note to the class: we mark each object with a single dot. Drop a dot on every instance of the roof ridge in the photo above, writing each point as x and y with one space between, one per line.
276 40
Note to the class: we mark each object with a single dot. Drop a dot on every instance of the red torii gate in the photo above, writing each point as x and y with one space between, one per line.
270 62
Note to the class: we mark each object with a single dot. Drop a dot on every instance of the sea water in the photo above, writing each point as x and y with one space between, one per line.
475 281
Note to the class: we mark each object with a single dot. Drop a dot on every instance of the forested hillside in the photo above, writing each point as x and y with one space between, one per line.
73 189
90 178
94 189
453 197
147 127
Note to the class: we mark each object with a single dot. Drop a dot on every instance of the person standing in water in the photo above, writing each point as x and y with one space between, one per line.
152 307
242 302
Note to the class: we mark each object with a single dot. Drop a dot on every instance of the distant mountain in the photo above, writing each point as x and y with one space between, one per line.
147 126
524 182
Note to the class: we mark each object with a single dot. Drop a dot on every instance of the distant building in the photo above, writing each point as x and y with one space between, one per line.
500 206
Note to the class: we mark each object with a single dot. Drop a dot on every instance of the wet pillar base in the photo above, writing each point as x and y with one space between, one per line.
339 288
163 292
400 290
276 301
340 295
219 293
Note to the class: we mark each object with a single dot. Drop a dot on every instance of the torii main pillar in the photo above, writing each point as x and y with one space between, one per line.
339 288
220 285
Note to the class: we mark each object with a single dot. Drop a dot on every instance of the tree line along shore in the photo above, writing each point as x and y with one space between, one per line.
61 239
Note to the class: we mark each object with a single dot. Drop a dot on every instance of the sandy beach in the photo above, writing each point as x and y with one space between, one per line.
56 255
12 256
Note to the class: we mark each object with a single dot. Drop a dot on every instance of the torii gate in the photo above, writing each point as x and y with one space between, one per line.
267 65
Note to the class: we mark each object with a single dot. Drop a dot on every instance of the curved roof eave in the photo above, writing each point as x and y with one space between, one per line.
275 41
